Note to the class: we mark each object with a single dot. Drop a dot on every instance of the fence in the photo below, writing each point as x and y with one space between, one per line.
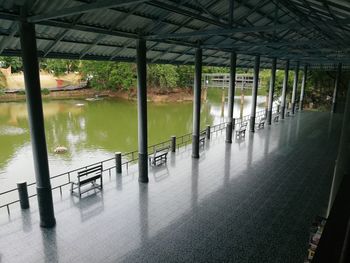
61 180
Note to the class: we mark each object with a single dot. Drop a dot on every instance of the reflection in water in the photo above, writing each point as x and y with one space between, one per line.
93 131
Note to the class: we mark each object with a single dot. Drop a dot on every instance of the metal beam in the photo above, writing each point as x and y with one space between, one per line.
82 9
216 32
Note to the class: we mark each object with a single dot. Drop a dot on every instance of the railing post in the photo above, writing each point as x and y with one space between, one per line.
207 132
173 144
118 162
23 194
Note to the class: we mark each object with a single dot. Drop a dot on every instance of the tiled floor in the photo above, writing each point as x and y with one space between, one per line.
252 201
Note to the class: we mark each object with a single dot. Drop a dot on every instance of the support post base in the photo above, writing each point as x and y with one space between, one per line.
195 146
143 168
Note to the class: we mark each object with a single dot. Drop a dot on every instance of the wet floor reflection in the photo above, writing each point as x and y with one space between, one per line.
90 205
227 167
26 220
49 243
194 183
143 212
250 149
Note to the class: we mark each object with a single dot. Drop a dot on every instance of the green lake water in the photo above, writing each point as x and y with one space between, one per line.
94 130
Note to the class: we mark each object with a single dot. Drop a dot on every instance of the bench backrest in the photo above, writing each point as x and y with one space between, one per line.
262 120
93 170
243 126
161 150
203 133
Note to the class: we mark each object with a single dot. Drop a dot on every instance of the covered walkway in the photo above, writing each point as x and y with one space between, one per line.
249 201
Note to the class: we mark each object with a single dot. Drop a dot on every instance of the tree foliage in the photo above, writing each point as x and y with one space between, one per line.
14 62
59 67
2 81
109 75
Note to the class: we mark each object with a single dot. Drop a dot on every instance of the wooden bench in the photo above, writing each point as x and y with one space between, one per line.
159 156
202 137
241 131
261 123
276 118
89 175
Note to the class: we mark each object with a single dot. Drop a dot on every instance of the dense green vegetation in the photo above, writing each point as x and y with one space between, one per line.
122 76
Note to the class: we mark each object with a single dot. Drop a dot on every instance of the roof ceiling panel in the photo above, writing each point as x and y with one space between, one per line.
175 29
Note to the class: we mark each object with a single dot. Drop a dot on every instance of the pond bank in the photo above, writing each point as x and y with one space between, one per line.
154 95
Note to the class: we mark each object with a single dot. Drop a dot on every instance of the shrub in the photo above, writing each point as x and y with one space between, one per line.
45 91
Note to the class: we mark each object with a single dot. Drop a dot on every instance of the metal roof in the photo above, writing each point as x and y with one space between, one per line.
314 32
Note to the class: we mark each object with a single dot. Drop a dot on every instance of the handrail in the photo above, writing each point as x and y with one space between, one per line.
127 158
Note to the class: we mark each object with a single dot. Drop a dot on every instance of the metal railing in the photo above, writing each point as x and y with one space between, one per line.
63 179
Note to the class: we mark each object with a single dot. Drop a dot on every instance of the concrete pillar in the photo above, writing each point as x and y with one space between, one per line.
271 91
284 89
231 97
254 93
302 92
197 103
36 123
336 88
295 87
142 109
342 167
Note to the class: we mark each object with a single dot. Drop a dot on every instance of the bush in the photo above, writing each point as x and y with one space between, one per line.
21 92
45 91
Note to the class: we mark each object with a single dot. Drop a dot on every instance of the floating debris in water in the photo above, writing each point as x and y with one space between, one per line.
80 104
60 149
8 130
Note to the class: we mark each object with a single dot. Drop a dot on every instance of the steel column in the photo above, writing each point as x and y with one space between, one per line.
271 91
295 87
197 103
336 87
254 93
302 92
142 108
231 97
284 89
36 123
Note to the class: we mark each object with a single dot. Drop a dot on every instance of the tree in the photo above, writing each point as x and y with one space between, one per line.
14 62
162 76
109 75
59 67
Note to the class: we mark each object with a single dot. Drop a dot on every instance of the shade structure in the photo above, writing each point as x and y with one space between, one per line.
316 33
